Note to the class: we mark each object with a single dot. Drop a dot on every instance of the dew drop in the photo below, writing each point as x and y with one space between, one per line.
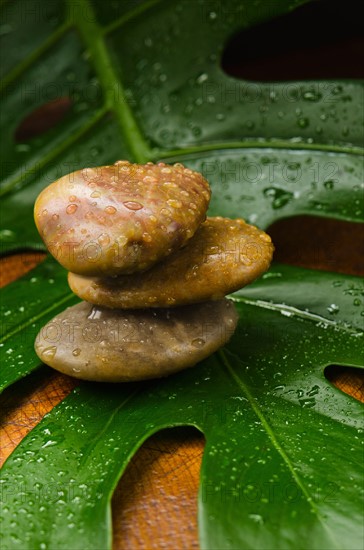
132 205
95 194
265 237
104 239
49 352
6 234
48 443
72 198
278 197
198 342
312 95
76 352
329 184
256 518
202 78
150 179
303 122
110 210
71 208
95 313
147 238
174 203
121 240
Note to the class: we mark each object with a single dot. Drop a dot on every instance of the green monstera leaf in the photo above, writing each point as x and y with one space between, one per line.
142 80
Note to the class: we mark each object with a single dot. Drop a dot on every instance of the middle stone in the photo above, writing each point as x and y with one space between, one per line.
223 256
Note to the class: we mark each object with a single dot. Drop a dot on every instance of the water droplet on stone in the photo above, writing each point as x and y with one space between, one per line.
174 203
147 238
71 208
104 239
110 210
49 352
198 342
132 205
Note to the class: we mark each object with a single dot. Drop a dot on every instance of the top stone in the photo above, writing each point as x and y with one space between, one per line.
122 218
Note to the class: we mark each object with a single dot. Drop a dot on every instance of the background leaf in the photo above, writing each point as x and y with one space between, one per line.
271 420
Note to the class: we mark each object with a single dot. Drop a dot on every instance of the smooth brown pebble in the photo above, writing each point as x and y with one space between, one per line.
121 218
223 256
120 346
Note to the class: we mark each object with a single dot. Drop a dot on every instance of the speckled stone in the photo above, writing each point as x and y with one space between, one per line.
223 256
122 218
100 344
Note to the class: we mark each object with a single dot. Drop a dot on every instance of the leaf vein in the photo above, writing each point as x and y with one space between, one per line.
289 311
54 153
32 58
128 16
273 438
35 318
258 144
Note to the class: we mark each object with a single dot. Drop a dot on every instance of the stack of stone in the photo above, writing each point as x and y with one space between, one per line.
152 270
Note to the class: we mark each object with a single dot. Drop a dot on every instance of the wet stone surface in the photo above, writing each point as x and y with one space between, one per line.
122 218
223 256
99 344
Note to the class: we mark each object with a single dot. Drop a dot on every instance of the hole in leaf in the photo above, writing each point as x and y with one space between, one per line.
25 403
350 380
319 243
42 119
160 484
14 266
319 40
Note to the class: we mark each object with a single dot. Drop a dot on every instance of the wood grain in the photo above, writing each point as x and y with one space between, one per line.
155 503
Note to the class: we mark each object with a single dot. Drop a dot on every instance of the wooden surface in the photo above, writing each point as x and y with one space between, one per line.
154 505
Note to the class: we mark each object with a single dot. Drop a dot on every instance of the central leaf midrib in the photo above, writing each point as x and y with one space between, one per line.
276 444
93 37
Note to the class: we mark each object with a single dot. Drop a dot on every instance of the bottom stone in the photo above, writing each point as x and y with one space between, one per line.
99 344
